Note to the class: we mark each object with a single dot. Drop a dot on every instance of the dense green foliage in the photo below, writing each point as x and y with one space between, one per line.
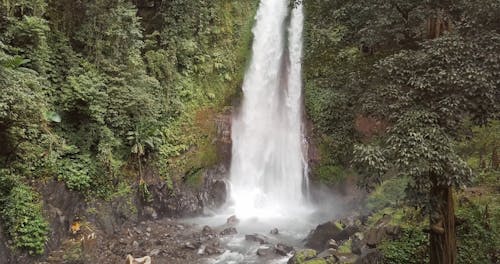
480 231
95 92
21 212
411 248
408 89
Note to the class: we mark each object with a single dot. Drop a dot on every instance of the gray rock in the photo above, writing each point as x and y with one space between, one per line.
379 233
257 238
264 251
229 231
282 249
319 237
274 231
207 230
357 245
370 256
233 220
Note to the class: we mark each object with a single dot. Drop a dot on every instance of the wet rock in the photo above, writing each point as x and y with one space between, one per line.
274 231
183 201
376 235
357 244
201 250
264 251
328 256
282 249
345 257
257 238
319 237
207 230
213 249
229 231
333 244
233 220
302 256
370 256
216 192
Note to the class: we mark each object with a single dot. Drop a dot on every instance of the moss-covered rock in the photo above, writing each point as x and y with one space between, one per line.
302 256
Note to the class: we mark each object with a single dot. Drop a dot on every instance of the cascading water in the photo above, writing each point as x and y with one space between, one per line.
268 166
268 163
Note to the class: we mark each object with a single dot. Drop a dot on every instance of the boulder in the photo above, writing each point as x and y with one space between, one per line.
328 255
319 237
229 231
282 249
377 234
370 256
257 238
213 249
207 230
274 231
264 251
233 220
301 256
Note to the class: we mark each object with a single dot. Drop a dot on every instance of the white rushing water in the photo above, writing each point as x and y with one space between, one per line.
268 167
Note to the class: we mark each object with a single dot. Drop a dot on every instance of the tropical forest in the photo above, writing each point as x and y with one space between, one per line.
250 131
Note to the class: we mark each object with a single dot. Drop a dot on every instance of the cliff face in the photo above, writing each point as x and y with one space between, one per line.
191 57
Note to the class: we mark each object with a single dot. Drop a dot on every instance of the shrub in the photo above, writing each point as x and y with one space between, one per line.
478 234
75 173
411 248
22 213
389 193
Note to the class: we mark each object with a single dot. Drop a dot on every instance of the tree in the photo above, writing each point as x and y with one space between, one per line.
425 68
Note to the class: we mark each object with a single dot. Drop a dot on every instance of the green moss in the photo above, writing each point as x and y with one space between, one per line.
316 261
339 225
303 255
345 247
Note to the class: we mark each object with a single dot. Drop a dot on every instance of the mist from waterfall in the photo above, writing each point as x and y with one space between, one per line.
269 167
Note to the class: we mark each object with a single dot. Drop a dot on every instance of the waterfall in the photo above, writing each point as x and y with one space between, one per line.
268 166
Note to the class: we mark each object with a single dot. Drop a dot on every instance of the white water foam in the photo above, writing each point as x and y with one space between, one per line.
269 184
268 167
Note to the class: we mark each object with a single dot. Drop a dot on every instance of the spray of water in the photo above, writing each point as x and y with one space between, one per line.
268 167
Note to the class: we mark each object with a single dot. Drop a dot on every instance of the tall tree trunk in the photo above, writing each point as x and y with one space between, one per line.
443 246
